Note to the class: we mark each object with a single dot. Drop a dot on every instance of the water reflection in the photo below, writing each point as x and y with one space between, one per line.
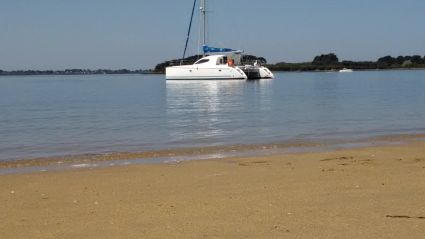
91 114
325 95
199 112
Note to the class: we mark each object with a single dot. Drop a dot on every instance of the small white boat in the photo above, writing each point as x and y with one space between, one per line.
346 70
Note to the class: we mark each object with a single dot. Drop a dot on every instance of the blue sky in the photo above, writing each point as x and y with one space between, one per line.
134 34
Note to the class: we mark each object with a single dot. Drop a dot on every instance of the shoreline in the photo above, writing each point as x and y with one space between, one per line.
111 159
373 191
163 73
324 71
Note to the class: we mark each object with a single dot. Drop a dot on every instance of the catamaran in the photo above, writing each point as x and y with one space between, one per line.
223 63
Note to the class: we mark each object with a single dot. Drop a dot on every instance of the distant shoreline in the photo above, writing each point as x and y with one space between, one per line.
323 71
71 72
358 70
323 63
43 73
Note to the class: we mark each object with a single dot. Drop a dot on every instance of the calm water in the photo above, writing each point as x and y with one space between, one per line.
61 115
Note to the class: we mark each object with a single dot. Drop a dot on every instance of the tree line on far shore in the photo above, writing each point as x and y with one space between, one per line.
324 62
329 62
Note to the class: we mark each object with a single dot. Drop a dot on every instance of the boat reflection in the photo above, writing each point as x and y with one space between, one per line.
199 111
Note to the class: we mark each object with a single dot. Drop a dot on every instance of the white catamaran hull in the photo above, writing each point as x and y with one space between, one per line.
192 72
265 73
257 72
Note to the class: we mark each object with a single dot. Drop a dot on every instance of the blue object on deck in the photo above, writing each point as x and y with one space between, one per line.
208 49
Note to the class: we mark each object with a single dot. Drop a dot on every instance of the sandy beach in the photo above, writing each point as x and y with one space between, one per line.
371 192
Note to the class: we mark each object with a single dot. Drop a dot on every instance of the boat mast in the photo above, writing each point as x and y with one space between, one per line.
188 32
204 22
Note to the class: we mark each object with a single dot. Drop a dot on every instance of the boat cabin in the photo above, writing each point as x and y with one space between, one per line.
216 60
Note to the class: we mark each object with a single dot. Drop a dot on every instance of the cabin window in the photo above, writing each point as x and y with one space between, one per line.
222 60
202 61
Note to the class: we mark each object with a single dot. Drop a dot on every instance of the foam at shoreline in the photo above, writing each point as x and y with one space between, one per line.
185 154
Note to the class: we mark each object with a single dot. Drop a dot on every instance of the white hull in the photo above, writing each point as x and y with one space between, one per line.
346 70
257 72
207 70
196 73
265 73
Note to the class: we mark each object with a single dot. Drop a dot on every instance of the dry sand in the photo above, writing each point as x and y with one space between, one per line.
374 192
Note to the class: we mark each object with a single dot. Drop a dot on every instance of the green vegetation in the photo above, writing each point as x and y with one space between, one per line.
325 62
160 68
329 62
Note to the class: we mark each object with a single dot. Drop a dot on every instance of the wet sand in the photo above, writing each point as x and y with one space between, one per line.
370 192
214 152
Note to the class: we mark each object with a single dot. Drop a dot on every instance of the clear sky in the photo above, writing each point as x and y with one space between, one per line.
137 34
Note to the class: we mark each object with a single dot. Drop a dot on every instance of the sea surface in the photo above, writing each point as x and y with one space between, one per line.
43 116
